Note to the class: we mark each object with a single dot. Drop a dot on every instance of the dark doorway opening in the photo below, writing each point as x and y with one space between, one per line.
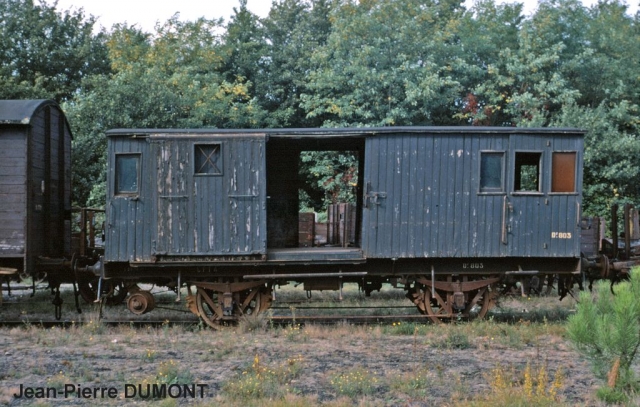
311 181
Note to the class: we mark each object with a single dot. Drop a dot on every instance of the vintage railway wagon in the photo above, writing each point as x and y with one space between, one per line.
448 213
35 185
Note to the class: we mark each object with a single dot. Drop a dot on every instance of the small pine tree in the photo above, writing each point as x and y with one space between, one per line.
606 329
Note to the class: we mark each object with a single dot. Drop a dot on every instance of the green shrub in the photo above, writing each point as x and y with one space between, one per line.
606 329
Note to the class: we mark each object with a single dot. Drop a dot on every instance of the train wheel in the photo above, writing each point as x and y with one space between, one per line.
431 304
255 301
114 291
247 302
436 307
141 302
439 305
484 299
208 306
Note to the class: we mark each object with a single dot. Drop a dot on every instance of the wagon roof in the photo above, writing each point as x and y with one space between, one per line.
341 132
21 111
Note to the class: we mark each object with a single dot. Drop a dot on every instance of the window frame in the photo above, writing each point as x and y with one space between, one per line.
116 188
540 178
492 191
220 159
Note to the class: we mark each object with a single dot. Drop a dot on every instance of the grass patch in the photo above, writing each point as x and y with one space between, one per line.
262 381
413 384
253 323
405 328
454 339
354 383
530 388
113 355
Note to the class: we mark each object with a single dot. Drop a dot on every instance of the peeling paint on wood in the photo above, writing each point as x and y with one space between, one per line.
424 199
218 213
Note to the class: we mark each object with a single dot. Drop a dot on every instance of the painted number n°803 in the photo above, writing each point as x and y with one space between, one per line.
561 235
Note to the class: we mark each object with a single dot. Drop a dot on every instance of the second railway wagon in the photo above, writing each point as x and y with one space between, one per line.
448 213
35 185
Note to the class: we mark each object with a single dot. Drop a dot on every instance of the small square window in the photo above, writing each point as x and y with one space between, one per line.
527 172
563 172
127 174
491 172
208 159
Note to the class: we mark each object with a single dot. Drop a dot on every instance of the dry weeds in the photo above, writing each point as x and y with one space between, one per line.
256 364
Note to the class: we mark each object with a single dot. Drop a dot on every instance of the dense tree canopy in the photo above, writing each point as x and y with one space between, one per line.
45 53
314 63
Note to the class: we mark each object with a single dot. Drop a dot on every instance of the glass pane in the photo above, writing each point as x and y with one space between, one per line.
563 176
127 174
491 172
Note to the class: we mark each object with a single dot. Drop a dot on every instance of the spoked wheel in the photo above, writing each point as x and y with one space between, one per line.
454 300
208 306
484 299
435 306
211 308
114 291
255 301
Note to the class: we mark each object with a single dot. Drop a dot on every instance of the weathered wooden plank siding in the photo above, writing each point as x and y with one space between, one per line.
13 195
122 226
433 206
422 189
180 212
35 181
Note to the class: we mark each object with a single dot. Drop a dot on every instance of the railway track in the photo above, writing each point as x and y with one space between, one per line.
281 320
275 320
290 311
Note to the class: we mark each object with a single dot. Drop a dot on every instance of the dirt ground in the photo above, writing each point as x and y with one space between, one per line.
455 361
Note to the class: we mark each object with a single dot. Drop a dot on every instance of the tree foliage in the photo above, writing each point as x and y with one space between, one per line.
45 53
329 177
162 81
379 68
314 63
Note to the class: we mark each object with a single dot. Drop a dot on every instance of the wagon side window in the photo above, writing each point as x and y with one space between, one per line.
491 171
563 172
127 177
208 159
527 172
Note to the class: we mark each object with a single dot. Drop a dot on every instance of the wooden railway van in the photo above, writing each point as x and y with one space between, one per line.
35 183
432 203
424 192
